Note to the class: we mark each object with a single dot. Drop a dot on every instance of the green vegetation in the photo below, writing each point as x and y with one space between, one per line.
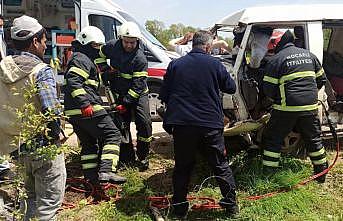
310 202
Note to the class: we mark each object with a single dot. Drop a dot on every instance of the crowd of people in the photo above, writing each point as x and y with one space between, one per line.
191 91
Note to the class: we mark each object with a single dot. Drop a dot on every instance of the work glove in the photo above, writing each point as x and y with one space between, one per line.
87 111
121 109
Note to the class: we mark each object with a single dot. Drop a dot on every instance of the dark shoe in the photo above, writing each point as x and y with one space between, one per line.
142 165
180 211
318 169
111 177
231 209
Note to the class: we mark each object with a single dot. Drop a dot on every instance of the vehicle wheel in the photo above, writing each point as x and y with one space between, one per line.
154 102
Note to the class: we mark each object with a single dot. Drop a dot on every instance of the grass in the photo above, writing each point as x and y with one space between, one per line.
310 202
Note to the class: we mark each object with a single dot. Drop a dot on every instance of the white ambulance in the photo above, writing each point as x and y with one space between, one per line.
65 18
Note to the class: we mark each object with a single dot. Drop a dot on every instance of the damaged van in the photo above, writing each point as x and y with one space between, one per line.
318 28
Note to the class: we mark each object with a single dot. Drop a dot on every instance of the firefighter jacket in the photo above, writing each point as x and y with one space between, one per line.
129 79
81 86
292 79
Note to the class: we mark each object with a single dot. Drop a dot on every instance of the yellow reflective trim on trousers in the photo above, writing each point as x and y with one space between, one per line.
140 74
295 75
92 82
270 80
126 76
113 157
133 93
320 72
89 157
296 108
111 147
319 162
80 72
78 92
317 153
100 60
145 139
78 111
102 55
109 156
89 166
271 154
270 163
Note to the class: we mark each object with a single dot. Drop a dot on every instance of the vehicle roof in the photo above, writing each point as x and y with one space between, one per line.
101 4
284 13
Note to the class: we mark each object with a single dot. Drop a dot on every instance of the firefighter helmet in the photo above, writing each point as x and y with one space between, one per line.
91 34
129 29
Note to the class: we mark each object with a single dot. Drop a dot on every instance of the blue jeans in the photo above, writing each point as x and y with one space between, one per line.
45 186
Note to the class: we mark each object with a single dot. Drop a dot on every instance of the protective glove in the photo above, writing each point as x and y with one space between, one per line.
121 109
87 111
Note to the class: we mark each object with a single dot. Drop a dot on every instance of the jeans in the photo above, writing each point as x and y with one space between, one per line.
45 186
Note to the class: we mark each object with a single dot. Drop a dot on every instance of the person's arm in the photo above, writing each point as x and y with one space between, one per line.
320 74
139 81
222 45
270 81
46 85
226 83
75 77
174 42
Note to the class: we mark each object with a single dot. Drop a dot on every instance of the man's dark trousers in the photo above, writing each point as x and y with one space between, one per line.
188 140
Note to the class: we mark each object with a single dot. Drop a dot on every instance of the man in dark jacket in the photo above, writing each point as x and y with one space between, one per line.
128 82
83 106
293 77
191 92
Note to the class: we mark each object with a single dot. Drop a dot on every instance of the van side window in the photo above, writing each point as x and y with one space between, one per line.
107 24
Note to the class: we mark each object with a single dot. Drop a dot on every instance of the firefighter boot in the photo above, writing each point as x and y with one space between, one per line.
319 168
111 177
142 154
231 208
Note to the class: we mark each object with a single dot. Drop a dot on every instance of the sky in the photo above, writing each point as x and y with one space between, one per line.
196 13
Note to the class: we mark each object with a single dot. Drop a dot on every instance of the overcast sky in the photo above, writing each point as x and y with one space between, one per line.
196 13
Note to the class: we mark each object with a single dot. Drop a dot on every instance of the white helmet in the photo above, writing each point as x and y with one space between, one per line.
91 34
129 29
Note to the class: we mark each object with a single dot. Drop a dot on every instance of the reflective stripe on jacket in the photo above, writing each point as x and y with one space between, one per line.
81 86
292 79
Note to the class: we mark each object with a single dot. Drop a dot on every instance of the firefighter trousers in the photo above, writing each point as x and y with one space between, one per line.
281 124
140 112
100 140
210 142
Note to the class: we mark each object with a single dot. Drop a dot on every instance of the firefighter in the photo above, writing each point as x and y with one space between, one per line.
293 77
129 85
83 106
